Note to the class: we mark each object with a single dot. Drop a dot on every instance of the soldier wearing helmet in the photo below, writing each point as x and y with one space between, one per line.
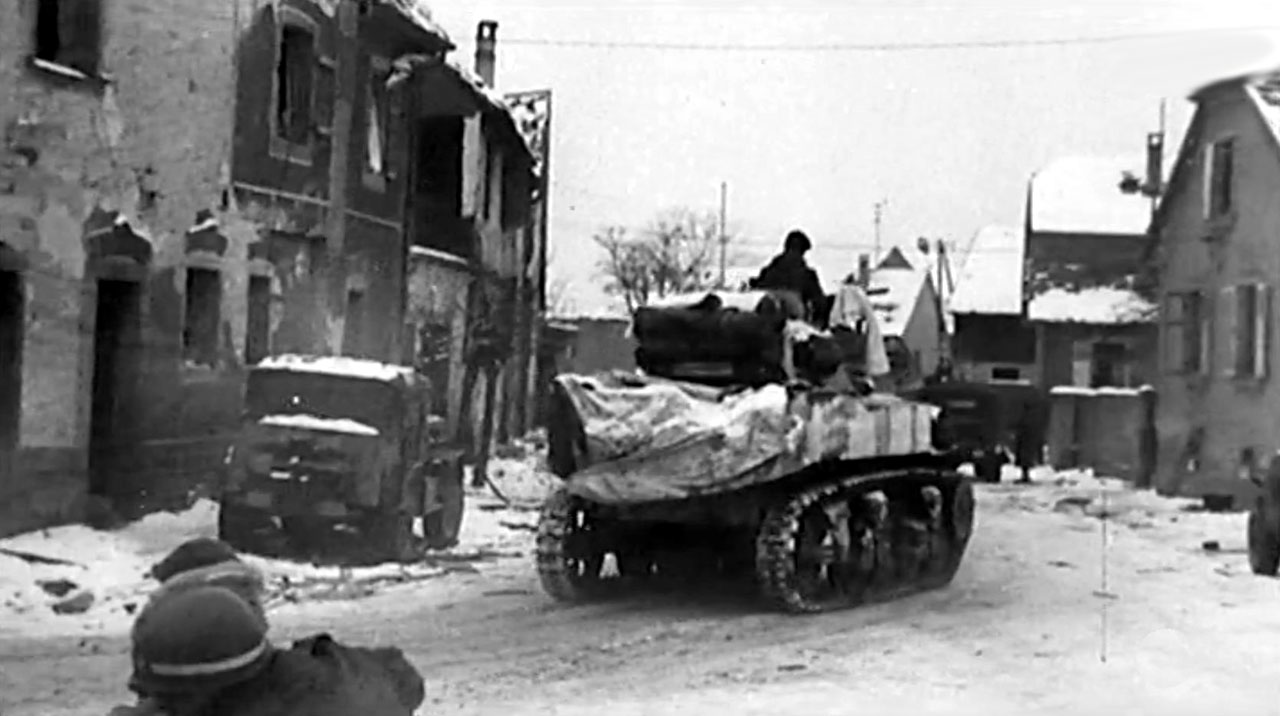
788 271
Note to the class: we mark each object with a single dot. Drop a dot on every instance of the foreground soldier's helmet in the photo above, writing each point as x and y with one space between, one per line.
198 640
206 561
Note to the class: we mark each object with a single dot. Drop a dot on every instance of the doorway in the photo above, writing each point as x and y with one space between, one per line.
116 339
12 303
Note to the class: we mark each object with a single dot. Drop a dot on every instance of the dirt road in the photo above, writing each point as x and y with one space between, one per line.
1030 625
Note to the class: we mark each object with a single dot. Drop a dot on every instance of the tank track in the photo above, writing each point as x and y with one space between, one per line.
864 538
835 544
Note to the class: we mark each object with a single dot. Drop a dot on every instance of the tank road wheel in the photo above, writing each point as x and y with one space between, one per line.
797 554
839 545
1264 542
570 555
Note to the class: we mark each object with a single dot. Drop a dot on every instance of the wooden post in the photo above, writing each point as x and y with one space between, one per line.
344 92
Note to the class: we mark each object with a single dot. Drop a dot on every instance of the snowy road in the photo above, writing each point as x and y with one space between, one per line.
1023 629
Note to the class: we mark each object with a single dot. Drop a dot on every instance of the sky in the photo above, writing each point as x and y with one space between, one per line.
813 111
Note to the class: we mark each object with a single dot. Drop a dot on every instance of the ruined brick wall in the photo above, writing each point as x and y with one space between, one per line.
148 146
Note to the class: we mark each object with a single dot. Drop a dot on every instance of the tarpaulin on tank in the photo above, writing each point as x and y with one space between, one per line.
650 439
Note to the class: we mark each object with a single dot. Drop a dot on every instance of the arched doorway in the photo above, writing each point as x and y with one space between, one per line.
12 333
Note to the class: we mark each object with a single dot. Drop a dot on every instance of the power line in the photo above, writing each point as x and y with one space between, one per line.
873 46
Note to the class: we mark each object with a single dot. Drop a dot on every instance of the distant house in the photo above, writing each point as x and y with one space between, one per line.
1216 248
909 313
1085 245
992 341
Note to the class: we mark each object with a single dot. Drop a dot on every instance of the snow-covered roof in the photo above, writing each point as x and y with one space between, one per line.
419 13
902 292
1095 304
1265 93
337 366
990 281
416 12
1081 195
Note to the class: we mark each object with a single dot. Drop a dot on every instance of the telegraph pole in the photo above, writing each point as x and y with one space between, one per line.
724 237
879 214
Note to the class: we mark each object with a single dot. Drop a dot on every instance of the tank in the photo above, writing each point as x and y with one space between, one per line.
821 492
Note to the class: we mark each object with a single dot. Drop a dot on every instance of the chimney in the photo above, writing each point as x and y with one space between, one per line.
864 270
486 40
1155 163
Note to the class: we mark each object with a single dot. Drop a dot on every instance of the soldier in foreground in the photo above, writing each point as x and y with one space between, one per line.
200 648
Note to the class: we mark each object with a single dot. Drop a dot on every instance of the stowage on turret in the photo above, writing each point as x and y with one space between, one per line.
752 442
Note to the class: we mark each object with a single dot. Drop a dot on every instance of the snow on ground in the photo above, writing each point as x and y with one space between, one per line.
102 576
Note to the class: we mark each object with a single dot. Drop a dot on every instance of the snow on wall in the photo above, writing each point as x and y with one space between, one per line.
1097 304
991 280
338 366
1081 195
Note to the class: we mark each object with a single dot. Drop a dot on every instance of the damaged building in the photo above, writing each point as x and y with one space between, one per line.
122 278
186 188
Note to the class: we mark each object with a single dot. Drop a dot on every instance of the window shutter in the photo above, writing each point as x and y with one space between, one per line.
1205 326
1206 185
395 149
1262 330
1175 358
1231 331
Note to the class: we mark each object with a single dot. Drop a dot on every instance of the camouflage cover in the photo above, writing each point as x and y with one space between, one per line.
649 439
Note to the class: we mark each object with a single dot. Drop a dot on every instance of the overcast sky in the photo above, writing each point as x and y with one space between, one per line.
813 138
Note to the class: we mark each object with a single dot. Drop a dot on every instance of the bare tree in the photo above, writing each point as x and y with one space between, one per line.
678 252
559 303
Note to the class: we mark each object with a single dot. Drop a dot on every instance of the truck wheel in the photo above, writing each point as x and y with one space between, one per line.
393 538
443 526
988 468
248 529
1264 543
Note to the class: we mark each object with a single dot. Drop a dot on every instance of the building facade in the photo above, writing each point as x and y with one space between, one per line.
1085 241
1217 260
114 170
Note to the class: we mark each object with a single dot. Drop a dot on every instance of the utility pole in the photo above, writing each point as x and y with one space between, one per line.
944 351
724 237
339 146
879 214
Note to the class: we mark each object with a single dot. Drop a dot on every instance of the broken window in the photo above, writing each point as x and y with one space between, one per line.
68 36
353 326
437 188
295 84
203 316
1219 168
257 338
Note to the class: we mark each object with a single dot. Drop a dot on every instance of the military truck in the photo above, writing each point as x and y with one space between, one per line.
339 457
